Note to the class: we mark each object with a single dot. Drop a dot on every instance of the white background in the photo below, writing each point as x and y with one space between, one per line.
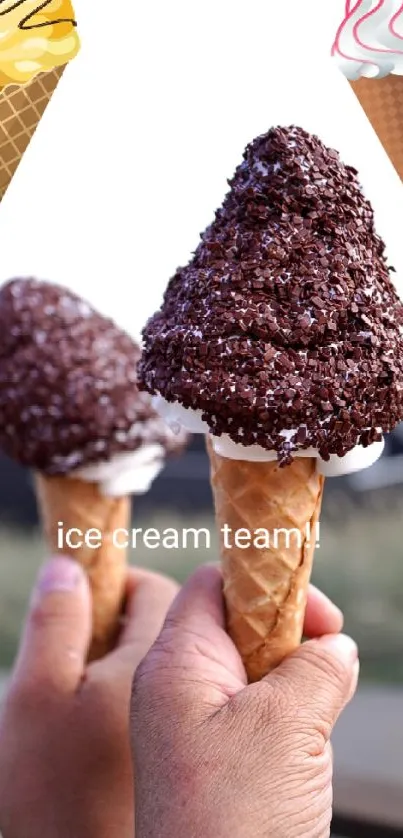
132 156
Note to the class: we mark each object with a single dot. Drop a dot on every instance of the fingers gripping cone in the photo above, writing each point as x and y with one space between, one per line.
80 506
254 338
21 109
266 588
90 425
382 100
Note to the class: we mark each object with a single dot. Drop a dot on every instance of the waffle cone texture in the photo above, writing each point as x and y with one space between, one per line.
266 587
21 109
382 100
80 505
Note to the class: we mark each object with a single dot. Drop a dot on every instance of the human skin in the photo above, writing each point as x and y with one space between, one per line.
65 762
236 760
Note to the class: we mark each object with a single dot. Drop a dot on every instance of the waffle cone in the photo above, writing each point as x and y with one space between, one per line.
382 100
21 109
80 505
266 587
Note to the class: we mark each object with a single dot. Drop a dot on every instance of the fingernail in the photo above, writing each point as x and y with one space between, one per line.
341 645
354 680
337 612
59 574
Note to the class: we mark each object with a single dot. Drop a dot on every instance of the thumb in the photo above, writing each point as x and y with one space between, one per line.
193 651
320 678
57 631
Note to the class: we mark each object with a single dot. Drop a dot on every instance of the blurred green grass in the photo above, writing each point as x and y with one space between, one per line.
359 564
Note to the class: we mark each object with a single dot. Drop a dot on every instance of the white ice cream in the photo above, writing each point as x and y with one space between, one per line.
125 474
177 415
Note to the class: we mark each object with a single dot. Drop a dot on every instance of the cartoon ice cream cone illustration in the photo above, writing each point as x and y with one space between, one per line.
368 48
36 42
21 109
382 100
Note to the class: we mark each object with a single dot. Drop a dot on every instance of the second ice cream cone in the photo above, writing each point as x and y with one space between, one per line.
71 412
80 506
266 578
382 100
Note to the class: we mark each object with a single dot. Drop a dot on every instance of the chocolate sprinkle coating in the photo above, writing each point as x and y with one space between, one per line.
286 317
68 391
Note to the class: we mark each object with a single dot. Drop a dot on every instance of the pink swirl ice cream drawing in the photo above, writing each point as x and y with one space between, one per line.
369 41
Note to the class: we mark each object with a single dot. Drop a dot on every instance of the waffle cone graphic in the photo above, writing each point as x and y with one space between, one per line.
382 100
266 588
79 505
21 109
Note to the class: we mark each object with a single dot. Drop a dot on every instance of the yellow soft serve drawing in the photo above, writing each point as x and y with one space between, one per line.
35 37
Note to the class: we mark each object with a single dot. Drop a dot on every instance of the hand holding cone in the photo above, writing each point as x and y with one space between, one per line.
71 411
283 340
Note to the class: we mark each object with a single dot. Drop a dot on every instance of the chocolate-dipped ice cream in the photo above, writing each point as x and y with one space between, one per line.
283 339
285 329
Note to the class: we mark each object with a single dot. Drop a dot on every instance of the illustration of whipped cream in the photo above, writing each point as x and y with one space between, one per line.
369 41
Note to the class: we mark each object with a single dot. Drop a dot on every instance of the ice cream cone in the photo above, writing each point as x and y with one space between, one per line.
79 505
265 587
382 100
21 109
